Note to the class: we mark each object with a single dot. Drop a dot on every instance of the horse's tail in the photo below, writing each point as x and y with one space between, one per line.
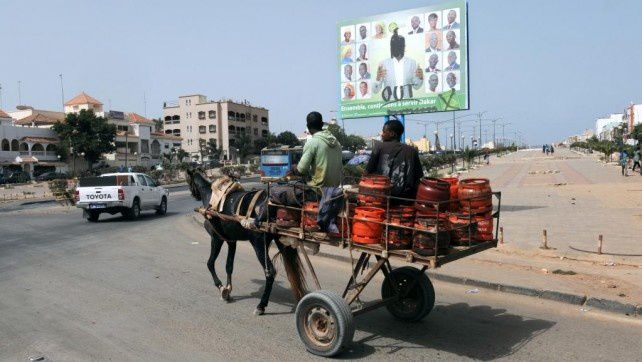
294 270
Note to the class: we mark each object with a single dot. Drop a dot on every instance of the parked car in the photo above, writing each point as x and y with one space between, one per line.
124 192
48 176
15 177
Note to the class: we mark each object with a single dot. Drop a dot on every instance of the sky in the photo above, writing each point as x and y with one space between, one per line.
549 68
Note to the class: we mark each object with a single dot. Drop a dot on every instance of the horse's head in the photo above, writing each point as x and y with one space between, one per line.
199 185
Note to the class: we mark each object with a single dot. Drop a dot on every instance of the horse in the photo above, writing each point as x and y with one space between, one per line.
229 231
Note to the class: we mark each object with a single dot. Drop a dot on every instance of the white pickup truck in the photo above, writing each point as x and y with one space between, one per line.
127 193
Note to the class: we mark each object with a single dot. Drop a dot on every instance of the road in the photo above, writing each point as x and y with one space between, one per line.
73 290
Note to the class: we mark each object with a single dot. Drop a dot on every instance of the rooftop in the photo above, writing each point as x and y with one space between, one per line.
42 118
3 114
83 98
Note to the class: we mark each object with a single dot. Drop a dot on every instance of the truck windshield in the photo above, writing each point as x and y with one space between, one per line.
123 180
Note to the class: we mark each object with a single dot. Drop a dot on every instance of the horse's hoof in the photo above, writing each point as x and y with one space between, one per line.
225 294
259 311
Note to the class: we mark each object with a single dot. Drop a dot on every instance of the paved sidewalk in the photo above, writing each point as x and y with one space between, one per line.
574 197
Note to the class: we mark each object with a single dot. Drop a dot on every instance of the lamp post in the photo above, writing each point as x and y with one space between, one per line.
436 147
452 146
58 157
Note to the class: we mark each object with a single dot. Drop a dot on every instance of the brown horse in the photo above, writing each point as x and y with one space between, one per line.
221 230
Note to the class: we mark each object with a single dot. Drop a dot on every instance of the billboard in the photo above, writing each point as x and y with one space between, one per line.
411 61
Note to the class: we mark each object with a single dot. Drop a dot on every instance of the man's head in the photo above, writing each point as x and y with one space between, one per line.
347 71
434 40
363 88
347 35
379 29
414 22
433 82
433 60
452 15
432 21
363 32
363 69
362 51
397 46
452 58
450 38
347 92
314 121
392 131
451 79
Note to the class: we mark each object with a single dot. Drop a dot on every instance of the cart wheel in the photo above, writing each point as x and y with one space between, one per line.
324 323
418 301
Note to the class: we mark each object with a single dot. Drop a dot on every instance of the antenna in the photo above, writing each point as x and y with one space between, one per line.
62 93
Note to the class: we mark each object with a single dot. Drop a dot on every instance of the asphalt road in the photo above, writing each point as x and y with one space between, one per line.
73 290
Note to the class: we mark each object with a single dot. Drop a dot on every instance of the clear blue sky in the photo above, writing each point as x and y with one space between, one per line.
548 67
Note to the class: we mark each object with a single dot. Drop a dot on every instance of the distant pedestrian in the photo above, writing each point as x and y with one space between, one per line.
552 149
624 160
487 157
543 148
636 160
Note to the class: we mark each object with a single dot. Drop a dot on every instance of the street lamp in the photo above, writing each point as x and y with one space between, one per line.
436 141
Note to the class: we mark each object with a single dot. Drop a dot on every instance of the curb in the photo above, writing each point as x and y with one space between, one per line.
607 305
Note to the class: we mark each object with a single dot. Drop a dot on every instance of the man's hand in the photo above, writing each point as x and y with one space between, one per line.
419 73
381 72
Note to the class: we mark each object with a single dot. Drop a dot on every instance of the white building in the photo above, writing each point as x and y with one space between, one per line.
198 120
28 143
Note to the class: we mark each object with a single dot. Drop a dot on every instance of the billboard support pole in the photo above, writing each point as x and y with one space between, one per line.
401 118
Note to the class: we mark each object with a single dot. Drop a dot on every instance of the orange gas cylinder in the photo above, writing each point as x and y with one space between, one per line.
454 192
287 217
364 230
430 193
484 227
431 234
475 195
398 237
310 212
373 190
462 229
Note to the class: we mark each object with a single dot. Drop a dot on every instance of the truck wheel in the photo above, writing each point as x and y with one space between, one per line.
162 208
134 211
92 216
324 322
415 303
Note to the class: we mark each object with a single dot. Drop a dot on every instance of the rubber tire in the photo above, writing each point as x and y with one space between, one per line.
162 210
423 294
133 212
342 314
92 216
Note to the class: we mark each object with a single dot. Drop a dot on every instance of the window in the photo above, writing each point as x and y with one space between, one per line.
75 108
122 128
230 116
177 132
242 119
168 131
212 114
201 115
264 120
232 142
256 131
231 129
213 141
212 128
176 117
144 146
255 118
141 180
150 182
264 133
201 129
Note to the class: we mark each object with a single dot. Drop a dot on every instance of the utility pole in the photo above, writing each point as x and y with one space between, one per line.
62 93
453 144
494 139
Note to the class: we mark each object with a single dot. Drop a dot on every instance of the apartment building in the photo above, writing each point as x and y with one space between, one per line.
198 120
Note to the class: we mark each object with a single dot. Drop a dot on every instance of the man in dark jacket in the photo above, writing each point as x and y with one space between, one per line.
396 160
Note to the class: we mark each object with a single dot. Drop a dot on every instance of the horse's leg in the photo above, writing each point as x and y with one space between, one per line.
229 268
261 244
217 244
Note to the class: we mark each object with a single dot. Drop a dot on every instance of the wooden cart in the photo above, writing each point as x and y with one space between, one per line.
325 319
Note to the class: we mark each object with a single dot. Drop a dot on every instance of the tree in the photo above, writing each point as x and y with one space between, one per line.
288 138
263 142
244 144
355 143
87 133
212 150
338 133
181 154
158 125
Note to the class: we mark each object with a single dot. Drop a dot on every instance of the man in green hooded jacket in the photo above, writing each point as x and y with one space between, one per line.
321 158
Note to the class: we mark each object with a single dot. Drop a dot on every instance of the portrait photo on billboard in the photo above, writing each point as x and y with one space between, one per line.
394 56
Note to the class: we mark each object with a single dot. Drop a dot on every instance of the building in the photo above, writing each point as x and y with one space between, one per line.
422 145
28 143
198 120
137 142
